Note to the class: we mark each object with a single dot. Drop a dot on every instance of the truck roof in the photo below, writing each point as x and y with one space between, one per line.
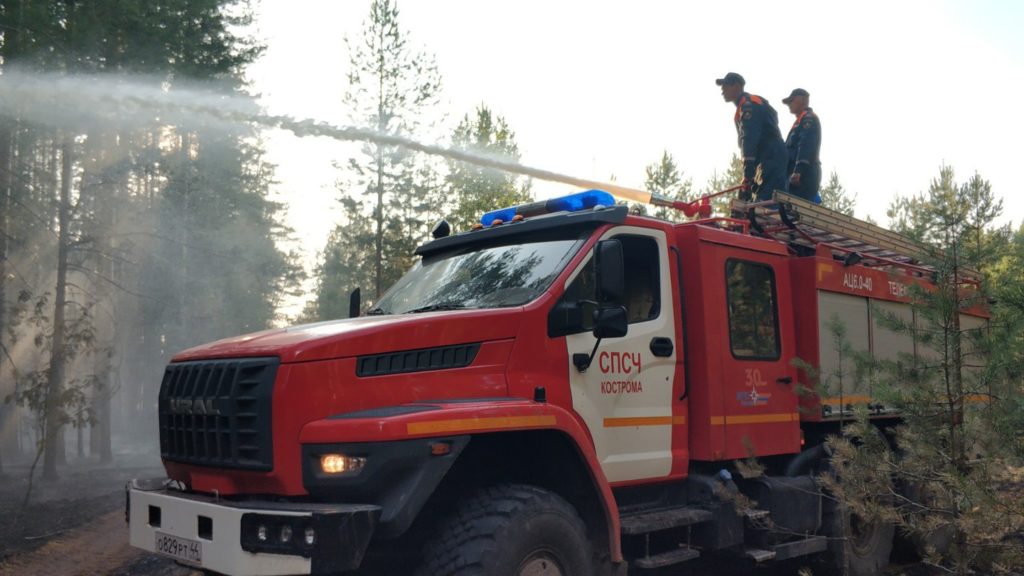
530 226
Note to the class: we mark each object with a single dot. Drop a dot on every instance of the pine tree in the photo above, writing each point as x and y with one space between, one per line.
341 267
202 190
476 189
958 396
391 88
665 179
836 197
732 176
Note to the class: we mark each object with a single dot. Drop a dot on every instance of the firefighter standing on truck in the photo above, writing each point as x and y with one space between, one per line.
760 141
803 143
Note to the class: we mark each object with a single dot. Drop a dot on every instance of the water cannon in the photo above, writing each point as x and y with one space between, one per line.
699 207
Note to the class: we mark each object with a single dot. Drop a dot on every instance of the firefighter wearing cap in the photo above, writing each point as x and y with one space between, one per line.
760 141
803 144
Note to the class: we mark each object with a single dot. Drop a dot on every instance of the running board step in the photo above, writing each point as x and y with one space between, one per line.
810 545
758 555
787 550
663 519
753 514
669 558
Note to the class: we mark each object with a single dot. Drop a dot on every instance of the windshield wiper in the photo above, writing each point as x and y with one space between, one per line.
435 307
375 312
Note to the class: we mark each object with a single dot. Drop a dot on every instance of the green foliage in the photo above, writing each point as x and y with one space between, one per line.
477 189
958 396
179 38
215 267
732 176
834 196
31 386
860 476
170 237
952 216
342 269
391 88
664 178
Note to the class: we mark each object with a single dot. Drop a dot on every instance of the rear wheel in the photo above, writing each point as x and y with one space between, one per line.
922 497
857 546
510 530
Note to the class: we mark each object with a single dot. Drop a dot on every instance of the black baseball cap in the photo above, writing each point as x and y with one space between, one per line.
731 78
796 92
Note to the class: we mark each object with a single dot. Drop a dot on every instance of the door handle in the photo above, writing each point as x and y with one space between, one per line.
784 380
661 346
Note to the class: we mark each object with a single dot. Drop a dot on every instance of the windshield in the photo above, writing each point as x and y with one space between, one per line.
491 277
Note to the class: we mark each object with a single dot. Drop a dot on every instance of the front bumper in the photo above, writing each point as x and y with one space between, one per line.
222 534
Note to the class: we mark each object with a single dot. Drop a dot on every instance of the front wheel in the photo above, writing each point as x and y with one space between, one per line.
510 530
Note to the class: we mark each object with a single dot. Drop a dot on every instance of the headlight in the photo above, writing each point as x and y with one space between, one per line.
340 463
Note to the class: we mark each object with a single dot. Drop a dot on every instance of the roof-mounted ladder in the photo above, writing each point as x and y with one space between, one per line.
808 227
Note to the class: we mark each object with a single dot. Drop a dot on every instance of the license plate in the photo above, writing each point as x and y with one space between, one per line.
183 549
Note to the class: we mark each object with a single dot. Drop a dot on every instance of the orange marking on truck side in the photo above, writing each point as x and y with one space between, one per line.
755 419
969 399
847 400
492 423
644 421
824 269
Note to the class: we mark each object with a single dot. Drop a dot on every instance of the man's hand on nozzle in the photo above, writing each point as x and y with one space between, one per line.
794 178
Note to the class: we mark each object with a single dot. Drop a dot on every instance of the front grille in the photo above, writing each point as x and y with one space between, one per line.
217 413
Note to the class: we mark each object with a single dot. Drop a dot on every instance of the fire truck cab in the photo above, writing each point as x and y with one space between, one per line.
566 390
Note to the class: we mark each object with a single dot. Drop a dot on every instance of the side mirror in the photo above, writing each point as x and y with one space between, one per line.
610 322
565 318
571 317
354 304
610 271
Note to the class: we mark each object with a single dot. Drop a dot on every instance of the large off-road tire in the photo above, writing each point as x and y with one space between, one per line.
937 540
857 547
509 530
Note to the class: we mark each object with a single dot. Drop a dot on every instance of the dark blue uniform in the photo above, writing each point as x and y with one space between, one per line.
804 143
757 126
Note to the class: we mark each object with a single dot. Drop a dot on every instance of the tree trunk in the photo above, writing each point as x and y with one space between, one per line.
103 176
381 127
105 414
56 380
379 269
6 411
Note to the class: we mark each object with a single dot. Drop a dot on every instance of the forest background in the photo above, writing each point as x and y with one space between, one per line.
124 242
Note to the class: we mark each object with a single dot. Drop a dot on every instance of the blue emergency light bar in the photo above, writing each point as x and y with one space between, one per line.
571 203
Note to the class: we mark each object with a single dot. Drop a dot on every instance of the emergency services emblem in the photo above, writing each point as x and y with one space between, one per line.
750 398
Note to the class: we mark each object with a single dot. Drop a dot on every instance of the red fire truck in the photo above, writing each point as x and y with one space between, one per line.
565 390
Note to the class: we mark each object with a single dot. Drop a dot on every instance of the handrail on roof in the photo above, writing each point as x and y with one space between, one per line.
798 222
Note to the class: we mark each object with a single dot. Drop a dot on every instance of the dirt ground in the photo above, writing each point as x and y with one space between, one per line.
76 526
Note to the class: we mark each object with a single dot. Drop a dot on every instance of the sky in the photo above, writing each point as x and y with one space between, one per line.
598 89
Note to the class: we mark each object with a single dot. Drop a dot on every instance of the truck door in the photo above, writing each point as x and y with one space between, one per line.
759 404
626 395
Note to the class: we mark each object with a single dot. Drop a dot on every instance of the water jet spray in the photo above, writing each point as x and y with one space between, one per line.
74 100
